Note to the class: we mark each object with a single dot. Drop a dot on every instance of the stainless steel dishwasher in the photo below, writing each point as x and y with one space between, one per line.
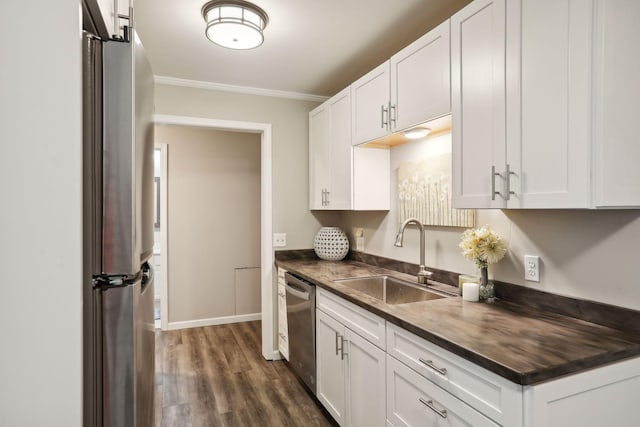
301 322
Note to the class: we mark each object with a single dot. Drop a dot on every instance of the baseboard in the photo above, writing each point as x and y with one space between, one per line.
213 321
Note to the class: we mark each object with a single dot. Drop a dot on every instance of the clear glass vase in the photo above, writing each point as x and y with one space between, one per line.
487 290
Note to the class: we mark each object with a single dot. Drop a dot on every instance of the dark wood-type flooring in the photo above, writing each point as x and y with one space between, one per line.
216 376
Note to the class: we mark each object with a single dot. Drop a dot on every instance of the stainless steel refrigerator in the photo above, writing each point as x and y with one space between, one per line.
118 233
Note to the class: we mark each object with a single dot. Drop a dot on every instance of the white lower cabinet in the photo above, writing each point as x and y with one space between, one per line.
473 396
488 393
330 367
606 396
415 401
368 376
350 371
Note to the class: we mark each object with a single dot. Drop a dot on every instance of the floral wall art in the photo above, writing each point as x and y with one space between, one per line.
424 192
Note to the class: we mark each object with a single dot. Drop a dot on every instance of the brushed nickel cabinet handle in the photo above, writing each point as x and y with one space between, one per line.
342 352
337 348
383 124
429 403
493 182
429 363
392 117
508 174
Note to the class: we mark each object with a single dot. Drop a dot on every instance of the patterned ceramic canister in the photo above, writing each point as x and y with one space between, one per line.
331 244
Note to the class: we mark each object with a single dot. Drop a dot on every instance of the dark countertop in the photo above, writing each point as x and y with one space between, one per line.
520 343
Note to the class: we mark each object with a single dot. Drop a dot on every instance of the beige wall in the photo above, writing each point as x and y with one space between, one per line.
41 215
213 218
290 136
585 254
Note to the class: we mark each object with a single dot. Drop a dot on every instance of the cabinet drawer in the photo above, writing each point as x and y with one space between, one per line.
415 401
492 395
359 320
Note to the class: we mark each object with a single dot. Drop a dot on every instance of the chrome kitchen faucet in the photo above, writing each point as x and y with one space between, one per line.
423 274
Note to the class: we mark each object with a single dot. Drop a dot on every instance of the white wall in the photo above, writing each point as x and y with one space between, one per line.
585 254
40 214
213 219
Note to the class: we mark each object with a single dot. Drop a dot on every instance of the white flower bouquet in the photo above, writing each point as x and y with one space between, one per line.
483 246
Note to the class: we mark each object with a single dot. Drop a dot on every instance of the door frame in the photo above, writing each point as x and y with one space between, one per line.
269 351
164 289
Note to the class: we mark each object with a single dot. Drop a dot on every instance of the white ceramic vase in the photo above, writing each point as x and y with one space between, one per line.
331 244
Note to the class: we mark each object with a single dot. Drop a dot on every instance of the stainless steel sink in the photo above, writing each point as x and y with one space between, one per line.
389 289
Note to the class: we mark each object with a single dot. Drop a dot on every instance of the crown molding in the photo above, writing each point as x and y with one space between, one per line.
173 81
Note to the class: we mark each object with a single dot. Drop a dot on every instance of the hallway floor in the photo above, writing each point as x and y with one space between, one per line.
216 376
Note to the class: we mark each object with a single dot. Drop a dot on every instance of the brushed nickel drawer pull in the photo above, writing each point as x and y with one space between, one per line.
429 363
337 336
429 403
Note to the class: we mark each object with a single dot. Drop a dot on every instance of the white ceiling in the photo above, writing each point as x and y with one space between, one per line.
311 46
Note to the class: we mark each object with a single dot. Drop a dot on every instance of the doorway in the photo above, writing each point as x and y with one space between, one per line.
159 260
267 297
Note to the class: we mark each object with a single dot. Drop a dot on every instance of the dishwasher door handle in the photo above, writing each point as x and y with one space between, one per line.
298 293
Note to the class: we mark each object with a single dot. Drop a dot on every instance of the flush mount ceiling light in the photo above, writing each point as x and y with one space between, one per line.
234 24
417 133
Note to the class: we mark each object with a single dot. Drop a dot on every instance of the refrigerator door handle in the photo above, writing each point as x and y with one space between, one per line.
147 275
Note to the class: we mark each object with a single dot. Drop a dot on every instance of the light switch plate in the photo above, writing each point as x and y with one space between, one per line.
532 268
279 240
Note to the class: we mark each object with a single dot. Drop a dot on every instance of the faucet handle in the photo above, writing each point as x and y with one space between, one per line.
424 275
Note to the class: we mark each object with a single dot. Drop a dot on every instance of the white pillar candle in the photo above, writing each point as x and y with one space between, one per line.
470 291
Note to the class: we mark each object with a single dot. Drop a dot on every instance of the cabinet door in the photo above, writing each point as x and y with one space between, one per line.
339 196
605 396
371 179
415 401
319 156
617 106
420 80
370 105
366 382
108 11
330 366
478 103
548 103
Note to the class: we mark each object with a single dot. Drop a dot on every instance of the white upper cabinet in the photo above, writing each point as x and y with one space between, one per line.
548 81
411 88
370 109
108 16
420 80
521 123
330 153
108 11
617 103
544 95
342 177
477 77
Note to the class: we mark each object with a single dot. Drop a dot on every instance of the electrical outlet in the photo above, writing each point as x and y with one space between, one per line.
532 268
279 240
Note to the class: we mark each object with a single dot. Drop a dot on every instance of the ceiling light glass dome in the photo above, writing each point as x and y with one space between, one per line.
234 24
